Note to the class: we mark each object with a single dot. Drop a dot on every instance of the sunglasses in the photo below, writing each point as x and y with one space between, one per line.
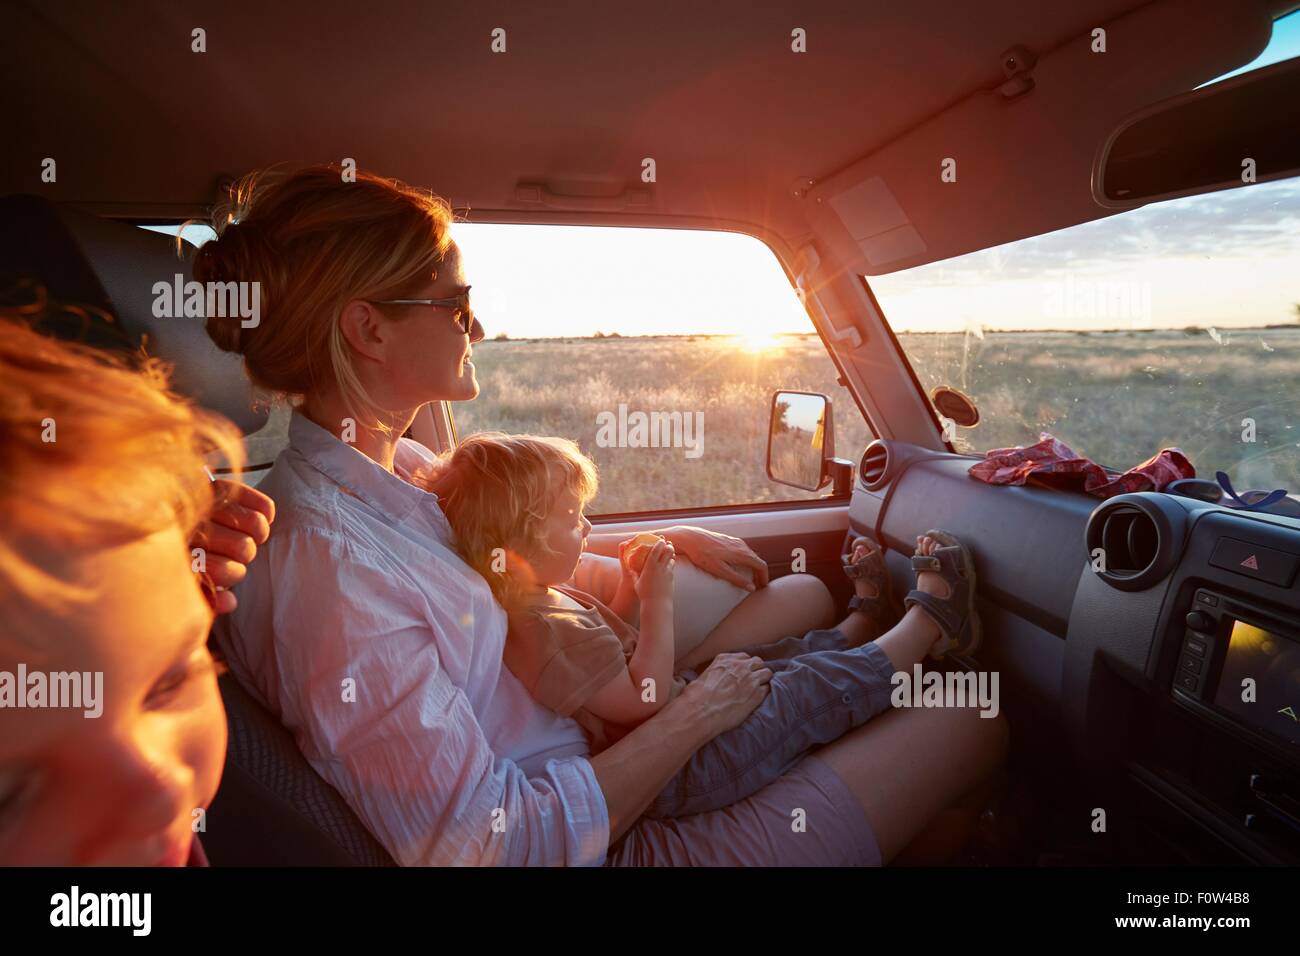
464 314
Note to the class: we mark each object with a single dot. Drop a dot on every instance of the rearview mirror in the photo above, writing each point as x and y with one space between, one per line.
800 439
1242 130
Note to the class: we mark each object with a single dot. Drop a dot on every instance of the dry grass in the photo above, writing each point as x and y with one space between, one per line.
1117 397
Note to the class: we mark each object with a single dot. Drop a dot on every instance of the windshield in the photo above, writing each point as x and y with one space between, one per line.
1177 324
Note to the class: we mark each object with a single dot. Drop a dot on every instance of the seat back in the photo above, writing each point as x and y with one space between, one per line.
85 260
273 809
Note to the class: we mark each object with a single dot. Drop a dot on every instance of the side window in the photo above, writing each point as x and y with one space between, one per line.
656 350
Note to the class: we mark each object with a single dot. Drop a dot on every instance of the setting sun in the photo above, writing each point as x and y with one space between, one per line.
755 342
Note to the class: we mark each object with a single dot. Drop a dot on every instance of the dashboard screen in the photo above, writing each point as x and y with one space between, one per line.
1272 661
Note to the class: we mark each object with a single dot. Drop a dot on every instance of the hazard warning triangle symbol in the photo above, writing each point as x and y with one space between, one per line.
1251 563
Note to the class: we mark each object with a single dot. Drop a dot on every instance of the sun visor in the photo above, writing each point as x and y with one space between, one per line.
1015 160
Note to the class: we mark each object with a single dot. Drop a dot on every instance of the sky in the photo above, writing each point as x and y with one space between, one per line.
1282 45
1219 260
1223 259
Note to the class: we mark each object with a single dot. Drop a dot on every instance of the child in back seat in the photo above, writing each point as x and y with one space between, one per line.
516 505
114 728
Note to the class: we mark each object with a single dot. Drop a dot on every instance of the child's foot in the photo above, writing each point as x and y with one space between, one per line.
945 590
865 566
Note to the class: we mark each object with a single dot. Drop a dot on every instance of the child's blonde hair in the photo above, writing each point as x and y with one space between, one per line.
314 240
497 491
96 453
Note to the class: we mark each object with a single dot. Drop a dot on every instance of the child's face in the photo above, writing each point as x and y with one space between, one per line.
565 534
120 788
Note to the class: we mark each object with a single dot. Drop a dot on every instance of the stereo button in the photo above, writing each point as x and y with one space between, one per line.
1263 564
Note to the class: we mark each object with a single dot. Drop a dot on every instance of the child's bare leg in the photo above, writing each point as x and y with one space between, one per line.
908 641
755 621
948 830
793 604
860 627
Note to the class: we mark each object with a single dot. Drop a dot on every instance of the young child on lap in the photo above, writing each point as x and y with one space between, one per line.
516 505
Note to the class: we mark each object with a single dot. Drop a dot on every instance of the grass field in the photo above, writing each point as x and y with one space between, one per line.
1117 397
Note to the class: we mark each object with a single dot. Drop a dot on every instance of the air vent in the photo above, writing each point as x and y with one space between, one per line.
1132 542
874 465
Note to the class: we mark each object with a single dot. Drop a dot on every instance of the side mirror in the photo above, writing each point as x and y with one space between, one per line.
800 439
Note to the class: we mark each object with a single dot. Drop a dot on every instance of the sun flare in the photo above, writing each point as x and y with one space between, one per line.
755 342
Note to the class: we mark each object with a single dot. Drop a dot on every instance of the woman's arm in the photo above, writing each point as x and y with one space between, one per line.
720 555
637 768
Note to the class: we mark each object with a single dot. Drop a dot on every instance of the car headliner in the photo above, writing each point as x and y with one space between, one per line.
735 121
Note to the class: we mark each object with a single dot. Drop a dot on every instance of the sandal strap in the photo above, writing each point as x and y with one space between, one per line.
950 560
947 617
872 605
870 570
871 566
926 562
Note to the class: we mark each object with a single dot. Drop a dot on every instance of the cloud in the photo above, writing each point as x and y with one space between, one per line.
1264 217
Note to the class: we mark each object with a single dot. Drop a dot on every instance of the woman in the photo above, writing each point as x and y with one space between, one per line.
382 650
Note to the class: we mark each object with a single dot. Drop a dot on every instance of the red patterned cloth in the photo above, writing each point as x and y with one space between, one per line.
1053 463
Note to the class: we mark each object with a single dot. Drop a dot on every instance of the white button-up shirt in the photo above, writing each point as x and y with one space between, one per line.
360 626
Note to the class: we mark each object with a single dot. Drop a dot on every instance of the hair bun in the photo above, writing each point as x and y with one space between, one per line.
209 265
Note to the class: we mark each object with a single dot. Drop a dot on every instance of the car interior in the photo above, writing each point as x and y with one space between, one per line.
1113 673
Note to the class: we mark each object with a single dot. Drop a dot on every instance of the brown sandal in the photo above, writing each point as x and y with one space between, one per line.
955 615
871 567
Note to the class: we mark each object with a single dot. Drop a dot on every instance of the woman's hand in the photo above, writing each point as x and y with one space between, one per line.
728 690
720 555
655 581
240 521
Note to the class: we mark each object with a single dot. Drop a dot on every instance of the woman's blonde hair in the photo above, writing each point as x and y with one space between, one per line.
96 453
313 241
497 491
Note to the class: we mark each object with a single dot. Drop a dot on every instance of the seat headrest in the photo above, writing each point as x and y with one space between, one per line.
86 260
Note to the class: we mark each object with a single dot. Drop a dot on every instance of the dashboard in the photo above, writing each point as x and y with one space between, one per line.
1149 643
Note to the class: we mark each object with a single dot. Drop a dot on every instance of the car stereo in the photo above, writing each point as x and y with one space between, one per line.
1242 662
